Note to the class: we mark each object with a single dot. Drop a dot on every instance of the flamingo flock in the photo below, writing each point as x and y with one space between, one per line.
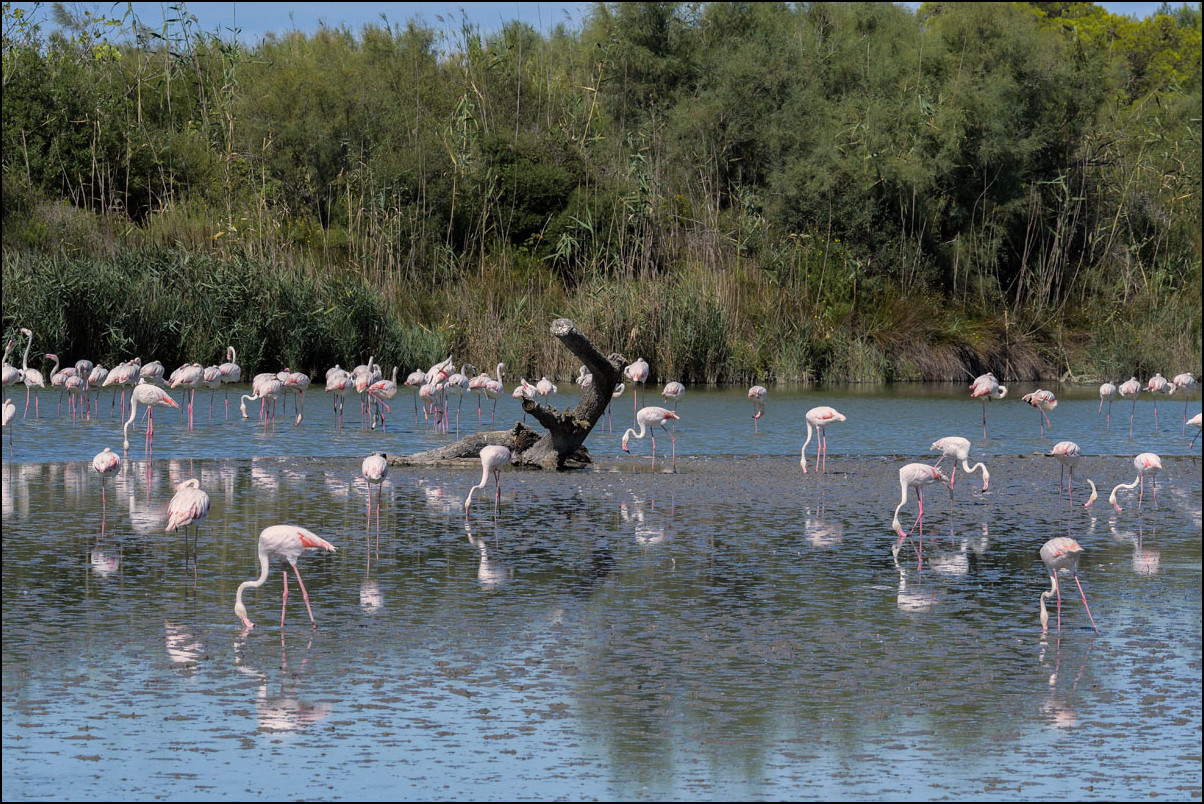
148 387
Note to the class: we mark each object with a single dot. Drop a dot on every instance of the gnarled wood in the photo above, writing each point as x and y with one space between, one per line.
563 445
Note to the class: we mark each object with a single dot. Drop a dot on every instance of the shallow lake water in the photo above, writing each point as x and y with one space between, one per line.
732 630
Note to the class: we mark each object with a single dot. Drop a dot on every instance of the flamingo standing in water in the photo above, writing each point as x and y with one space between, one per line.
1158 385
152 396
638 373
189 506
1194 421
31 377
340 383
1061 554
914 476
1042 400
1106 392
189 378
757 394
287 543
647 418
958 449
1147 463
383 390
820 418
987 387
493 458
1069 455
231 372
1184 383
105 463
1130 387
375 469
493 389
672 392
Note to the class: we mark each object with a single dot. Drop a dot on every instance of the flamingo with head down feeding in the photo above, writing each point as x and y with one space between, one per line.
958 448
1061 554
493 458
914 476
820 418
1147 463
287 543
647 418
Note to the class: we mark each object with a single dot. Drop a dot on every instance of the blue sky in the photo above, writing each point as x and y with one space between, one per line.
255 19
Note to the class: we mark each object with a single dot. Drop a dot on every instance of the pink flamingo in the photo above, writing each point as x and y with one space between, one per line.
457 385
1061 554
12 374
986 387
1069 455
493 458
958 449
1130 387
647 418
672 392
189 506
1185 383
340 384
493 389
152 396
545 387
231 373
914 475
375 469
1106 392
189 377
152 372
31 377
96 378
819 418
1194 421
524 390
297 382
1042 400
417 379
1158 385
125 374
638 373
105 463
383 390
1147 463
287 543
76 388
757 394
266 388
212 379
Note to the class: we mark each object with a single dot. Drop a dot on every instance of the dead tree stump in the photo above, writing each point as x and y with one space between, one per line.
563 445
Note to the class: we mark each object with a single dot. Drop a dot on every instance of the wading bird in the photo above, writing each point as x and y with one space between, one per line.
1061 554
986 387
1130 387
1194 421
1185 383
819 418
1068 454
1042 400
1147 463
31 377
375 469
493 458
152 396
914 476
958 449
647 418
287 543
189 506
105 463
638 373
757 394
1107 391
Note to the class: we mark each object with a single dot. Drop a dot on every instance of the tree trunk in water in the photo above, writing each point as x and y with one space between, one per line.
562 447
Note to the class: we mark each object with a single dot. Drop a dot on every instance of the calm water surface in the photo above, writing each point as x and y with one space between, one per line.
733 630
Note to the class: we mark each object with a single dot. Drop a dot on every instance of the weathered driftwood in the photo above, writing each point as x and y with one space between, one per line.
563 445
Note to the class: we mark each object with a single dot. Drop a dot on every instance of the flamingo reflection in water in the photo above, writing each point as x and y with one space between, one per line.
492 573
281 712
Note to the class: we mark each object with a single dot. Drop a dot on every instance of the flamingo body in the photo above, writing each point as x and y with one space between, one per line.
1147 463
958 448
648 418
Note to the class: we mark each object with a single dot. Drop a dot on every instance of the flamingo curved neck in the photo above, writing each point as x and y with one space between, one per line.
264 567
